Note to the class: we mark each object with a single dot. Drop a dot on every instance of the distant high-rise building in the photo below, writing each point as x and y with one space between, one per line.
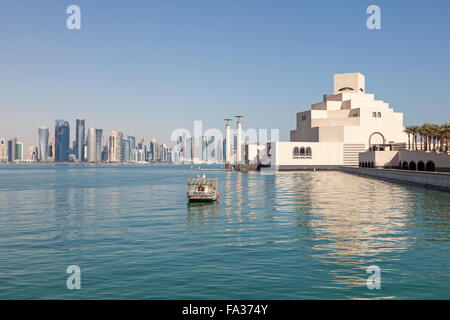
80 140
3 150
114 146
12 149
62 140
91 145
132 146
152 150
164 153
32 154
51 150
19 152
98 144
105 154
43 144
125 151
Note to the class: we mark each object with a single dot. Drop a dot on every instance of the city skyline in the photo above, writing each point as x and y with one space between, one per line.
143 75
89 146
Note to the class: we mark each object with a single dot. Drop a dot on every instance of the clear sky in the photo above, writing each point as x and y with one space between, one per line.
149 67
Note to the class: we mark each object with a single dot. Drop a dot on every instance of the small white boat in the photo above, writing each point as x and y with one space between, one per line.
202 189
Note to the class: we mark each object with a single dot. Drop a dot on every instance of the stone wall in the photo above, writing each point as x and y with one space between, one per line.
434 180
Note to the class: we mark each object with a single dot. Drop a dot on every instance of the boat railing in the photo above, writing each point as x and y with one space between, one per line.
202 181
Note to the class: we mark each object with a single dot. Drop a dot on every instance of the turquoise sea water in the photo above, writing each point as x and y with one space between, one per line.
294 235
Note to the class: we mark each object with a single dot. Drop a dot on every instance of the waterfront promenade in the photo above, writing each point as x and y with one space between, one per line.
434 180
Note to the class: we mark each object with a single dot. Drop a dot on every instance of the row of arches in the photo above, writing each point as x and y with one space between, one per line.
405 165
366 164
302 152
420 166
376 114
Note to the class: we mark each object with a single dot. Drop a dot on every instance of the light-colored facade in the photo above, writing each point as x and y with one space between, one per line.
91 145
415 160
3 150
114 146
43 144
32 154
334 131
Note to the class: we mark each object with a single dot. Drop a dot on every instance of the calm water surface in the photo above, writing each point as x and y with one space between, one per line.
294 235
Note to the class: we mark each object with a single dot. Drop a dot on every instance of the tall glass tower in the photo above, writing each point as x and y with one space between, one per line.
79 142
98 144
12 149
43 144
125 151
132 147
62 140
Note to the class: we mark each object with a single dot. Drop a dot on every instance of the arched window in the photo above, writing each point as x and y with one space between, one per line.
374 114
412 165
379 114
421 166
308 152
371 165
405 165
296 153
430 166
302 152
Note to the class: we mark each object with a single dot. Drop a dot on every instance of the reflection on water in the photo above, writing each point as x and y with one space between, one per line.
349 220
202 212
292 235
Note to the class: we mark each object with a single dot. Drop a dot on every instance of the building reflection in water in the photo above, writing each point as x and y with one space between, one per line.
349 221
202 213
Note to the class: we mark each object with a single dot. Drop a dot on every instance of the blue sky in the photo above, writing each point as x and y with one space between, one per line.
149 67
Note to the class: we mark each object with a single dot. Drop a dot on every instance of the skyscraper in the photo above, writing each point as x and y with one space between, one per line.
132 143
152 150
114 146
51 150
43 144
62 140
79 140
98 144
91 145
12 149
32 154
3 150
125 151
19 151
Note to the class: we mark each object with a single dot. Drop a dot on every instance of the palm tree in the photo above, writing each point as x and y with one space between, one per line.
415 131
446 129
441 137
408 130
436 132
424 130
421 133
